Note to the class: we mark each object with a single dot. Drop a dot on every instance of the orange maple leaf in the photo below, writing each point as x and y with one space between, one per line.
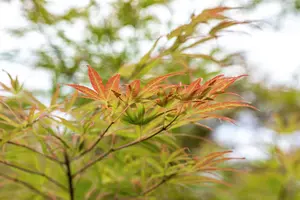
99 91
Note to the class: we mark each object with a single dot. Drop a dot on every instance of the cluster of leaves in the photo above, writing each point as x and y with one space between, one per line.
275 178
119 145
184 40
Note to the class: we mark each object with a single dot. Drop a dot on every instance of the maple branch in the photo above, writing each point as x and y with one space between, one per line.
99 158
64 143
33 150
69 176
95 143
164 180
29 186
35 173
99 138
92 163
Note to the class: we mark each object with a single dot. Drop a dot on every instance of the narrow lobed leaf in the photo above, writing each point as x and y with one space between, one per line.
158 80
85 90
112 84
203 108
133 88
96 82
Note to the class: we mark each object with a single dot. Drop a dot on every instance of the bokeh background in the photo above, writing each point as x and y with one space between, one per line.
46 43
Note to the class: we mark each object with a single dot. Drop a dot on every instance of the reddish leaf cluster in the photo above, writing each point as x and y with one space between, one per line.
196 96
133 90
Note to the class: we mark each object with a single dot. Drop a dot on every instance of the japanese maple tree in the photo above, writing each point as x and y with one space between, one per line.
119 143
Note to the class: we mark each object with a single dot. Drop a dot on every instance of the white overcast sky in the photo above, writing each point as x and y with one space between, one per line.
272 53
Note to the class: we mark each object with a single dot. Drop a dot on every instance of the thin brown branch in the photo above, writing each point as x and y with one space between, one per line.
33 150
69 176
152 188
92 163
27 185
99 158
95 143
100 137
283 193
35 173
50 150
64 143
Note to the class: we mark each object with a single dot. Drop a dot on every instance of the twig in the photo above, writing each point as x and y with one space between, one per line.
100 137
50 150
64 143
34 172
92 163
99 158
69 176
94 144
164 180
29 186
282 195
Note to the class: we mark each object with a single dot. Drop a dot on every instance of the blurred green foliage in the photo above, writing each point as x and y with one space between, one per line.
111 35
101 42
286 5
